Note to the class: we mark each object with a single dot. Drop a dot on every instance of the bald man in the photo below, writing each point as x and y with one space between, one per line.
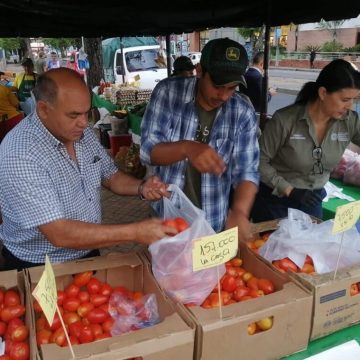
51 169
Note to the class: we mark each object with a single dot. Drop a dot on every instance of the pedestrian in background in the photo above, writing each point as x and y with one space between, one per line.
303 142
254 77
312 58
40 63
183 66
54 62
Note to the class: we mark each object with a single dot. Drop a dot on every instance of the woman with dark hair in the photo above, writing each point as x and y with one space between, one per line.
303 142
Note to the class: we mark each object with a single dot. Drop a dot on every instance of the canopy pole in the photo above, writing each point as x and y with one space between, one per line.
168 55
265 84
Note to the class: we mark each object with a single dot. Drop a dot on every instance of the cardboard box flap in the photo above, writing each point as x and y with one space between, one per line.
9 279
108 261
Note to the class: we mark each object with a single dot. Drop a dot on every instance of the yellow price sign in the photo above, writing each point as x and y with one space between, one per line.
215 249
346 217
45 292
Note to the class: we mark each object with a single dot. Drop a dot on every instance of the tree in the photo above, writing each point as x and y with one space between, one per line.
256 37
10 43
93 49
61 43
332 27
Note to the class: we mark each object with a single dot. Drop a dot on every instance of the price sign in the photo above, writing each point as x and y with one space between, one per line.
215 249
45 292
346 217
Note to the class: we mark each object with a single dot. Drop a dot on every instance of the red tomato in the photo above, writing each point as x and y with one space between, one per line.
81 279
71 304
96 329
106 289
231 270
37 307
84 296
8 346
11 298
41 323
43 337
84 309
60 297
137 295
19 334
181 224
3 328
13 324
12 312
5 357
58 337
266 286
228 283
86 335
72 291
97 316
287 264
98 299
170 223
75 328
73 340
253 283
239 292
93 286
2 293
121 290
71 317
104 335
256 293
107 325
20 351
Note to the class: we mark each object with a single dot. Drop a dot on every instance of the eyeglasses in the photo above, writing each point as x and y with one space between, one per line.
318 167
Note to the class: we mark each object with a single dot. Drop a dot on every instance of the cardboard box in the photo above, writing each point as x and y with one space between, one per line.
333 306
172 338
16 280
227 338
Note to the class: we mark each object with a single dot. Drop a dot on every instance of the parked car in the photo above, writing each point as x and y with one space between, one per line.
195 57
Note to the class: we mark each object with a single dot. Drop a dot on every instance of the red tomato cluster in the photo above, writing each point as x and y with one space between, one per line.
84 306
178 223
237 284
284 264
12 327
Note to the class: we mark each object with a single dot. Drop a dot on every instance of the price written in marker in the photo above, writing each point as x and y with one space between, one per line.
215 249
45 292
346 217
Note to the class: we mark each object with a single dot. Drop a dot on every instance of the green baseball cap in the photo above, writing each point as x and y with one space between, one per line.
225 60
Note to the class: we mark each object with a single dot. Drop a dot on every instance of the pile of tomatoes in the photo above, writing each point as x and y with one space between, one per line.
179 223
84 306
284 264
237 284
12 327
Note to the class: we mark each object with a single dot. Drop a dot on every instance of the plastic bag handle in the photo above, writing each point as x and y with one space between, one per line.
182 197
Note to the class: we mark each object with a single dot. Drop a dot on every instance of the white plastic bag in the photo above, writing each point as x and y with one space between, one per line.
172 256
297 236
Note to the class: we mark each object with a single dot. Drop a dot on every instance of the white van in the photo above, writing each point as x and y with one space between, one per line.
141 62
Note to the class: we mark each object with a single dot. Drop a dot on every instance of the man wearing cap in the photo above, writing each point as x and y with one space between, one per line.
25 81
199 134
183 66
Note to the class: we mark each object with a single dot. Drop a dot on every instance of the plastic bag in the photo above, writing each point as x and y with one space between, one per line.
172 256
352 172
340 168
131 315
297 236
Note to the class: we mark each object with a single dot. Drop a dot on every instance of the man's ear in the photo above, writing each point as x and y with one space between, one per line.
42 109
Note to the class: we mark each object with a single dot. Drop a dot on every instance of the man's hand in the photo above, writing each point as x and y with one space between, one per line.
305 197
204 158
153 189
241 221
149 231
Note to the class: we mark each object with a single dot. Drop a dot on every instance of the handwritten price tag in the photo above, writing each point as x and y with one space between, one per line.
346 217
215 249
45 292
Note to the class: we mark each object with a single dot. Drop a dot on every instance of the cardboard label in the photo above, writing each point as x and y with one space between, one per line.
45 292
215 249
346 217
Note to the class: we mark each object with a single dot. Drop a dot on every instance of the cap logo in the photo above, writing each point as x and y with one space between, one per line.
232 54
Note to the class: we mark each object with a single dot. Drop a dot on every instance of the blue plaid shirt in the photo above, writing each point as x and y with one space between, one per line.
39 183
171 116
